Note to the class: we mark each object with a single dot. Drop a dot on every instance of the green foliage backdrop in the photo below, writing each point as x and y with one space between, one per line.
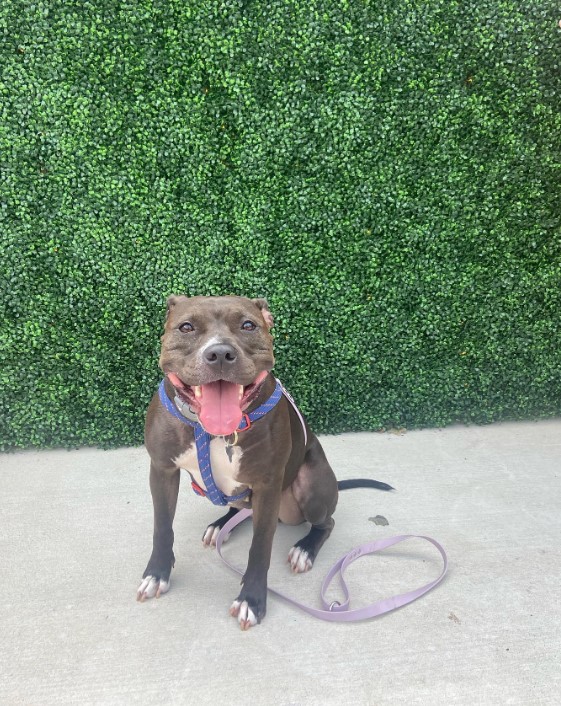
386 172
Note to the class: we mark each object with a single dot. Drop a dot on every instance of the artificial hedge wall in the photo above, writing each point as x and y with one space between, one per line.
387 173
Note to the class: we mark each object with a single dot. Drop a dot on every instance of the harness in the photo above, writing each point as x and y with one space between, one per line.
203 438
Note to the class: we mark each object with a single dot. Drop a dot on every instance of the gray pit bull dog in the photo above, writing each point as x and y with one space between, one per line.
217 356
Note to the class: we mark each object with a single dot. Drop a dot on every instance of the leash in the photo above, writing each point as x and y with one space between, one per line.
337 611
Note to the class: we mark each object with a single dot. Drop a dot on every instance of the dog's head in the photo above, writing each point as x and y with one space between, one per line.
217 352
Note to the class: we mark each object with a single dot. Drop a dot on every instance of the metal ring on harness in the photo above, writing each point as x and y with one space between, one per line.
235 439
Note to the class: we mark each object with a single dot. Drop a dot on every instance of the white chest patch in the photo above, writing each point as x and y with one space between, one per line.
224 470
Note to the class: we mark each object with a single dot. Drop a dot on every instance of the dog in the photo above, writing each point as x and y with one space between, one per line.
222 416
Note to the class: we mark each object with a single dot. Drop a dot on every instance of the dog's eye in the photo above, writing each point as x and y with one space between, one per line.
186 327
249 326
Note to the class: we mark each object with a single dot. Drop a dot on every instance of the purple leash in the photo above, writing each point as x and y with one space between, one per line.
336 611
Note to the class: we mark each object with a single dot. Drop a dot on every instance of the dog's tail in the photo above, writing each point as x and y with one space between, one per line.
363 483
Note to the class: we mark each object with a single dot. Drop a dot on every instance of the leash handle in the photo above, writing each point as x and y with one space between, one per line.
340 611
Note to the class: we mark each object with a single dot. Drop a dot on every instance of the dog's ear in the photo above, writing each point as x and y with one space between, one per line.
171 302
264 306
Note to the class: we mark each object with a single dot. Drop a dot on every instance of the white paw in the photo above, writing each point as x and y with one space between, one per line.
211 535
150 587
299 560
244 614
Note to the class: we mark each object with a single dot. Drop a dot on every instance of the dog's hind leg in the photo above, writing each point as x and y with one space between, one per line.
315 491
302 555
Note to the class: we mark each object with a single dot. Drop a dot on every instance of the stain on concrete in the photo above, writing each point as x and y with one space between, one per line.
379 520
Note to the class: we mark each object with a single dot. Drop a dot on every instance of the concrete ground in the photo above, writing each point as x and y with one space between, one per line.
76 534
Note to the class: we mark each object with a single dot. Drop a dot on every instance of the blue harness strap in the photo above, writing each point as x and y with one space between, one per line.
202 441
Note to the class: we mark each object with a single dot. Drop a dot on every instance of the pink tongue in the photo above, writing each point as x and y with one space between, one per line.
220 412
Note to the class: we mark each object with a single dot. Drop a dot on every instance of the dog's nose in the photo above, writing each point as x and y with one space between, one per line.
220 354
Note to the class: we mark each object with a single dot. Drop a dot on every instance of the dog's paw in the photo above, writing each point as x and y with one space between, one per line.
151 586
211 534
246 617
299 559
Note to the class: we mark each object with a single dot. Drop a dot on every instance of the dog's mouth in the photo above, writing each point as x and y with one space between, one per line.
219 405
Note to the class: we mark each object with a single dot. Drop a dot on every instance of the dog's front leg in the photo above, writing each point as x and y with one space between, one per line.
164 485
250 606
